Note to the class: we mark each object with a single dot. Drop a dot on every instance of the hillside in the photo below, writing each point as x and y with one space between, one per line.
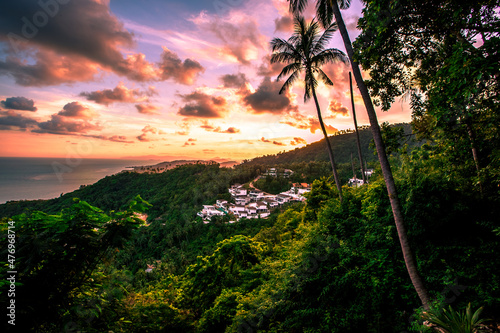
175 193
343 145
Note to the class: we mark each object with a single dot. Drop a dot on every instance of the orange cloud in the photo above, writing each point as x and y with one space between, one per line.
266 99
298 141
10 120
336 108
172 67
239 34
119 94
19 103
300 121
274 142
201 105
147 108
77 110
150 133
284 23
210 128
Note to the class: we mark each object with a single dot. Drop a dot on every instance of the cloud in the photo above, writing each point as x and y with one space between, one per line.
10 120
62 125
19 103
336 108
77 110
239 34
48 69
113 138
150 133
274 142
210 128
60 53
236 81
266 99
192 140
118 138
188 143
172 67
231 130
185 127
338 72
147 108
301 121
268 69
119 94
298 141
284 24
201 105
97 41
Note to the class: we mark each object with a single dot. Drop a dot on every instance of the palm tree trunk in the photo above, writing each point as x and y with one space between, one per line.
357 132
384 163
329 146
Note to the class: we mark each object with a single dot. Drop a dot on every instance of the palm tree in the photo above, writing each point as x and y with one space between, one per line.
326 10
360 154
305 51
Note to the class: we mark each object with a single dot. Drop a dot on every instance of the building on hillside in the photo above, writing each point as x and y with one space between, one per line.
354 182
256 195
209 211
301 188
242 199
222 204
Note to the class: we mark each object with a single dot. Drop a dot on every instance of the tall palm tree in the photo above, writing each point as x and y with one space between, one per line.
358 141
305 51
325 11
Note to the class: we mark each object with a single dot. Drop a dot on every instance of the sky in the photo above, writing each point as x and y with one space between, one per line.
160 79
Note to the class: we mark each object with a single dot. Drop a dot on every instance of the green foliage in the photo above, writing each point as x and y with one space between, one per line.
451 321
56 254
273 185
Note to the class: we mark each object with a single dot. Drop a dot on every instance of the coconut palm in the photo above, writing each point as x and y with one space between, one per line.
360 154
326 10
306 51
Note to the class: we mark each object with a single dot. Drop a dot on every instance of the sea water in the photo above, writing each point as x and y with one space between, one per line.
47 178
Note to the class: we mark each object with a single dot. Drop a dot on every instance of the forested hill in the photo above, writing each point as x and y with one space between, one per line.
176 193
343 145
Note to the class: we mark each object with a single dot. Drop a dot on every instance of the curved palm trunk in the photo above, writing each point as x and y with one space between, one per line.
357 132
384 163
329 146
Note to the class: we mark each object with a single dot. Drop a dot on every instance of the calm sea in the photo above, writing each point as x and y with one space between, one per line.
47 178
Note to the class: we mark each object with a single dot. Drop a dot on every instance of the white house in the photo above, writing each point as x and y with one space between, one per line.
354 182
283 198
208 211
256 195
241 200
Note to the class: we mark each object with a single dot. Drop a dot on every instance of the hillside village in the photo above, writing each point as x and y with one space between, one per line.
252 203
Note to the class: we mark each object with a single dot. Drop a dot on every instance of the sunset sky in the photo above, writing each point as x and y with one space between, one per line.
171 79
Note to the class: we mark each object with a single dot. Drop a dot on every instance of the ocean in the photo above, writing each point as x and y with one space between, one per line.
47 178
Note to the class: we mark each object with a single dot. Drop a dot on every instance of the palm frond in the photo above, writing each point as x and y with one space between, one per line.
324 12
281 45
322 41
297 6
328 55
289 82
324 78
295 67
344 4
284 57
